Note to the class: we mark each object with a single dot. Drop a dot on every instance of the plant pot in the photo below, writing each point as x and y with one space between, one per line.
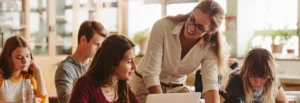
291 51
277 48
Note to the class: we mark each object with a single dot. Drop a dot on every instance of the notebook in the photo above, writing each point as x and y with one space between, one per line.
175 98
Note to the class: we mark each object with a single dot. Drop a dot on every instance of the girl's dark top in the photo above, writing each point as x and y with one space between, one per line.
85 91
234 89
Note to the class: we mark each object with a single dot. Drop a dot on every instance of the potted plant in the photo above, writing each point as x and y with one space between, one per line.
291 42
141 39
256 41
288 40
278 40
281 38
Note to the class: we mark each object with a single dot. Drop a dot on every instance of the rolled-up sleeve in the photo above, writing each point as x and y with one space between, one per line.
209 71
152 61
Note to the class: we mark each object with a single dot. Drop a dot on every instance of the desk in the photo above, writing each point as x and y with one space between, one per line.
290 82
293 96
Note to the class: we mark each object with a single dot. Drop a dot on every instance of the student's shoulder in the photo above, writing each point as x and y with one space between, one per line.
234 86
235 77
85 80
66 68
66 64
68 59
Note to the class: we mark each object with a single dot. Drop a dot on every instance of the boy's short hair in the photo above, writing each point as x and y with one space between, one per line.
90 28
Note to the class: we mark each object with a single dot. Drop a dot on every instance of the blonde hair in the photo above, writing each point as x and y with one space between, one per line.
260 62
216 12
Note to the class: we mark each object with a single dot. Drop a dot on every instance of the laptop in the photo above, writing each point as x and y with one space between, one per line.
193 97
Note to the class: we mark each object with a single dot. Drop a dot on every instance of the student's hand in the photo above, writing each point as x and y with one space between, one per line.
231 61
234 99
34 67
155 89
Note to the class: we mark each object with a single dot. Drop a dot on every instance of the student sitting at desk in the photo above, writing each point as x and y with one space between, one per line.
106 80
256 82
17 65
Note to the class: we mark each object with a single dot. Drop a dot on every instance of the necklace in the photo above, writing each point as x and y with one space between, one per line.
110 88
107 89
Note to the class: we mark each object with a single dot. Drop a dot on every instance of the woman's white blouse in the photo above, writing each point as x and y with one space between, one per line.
162 62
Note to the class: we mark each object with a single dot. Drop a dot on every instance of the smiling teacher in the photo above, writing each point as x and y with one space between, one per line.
179 45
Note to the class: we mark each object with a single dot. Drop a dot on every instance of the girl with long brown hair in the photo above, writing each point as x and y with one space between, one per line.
106 79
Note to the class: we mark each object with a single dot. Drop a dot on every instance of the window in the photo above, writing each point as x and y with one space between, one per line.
175 9
144 13
39 27
276 17
142 16
109 18
272 14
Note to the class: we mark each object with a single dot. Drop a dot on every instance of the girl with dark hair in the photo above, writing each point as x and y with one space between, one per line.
106 80
16 65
